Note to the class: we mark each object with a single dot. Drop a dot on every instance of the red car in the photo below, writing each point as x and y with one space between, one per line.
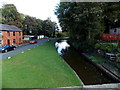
33 41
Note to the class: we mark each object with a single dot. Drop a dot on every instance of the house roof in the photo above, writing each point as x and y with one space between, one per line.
115 28
5 27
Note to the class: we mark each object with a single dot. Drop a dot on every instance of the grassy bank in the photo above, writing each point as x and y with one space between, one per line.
98 59
40 67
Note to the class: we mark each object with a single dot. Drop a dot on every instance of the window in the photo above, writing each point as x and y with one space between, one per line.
19 33
13 33
14 40
114 30
8 33
0 33
0 42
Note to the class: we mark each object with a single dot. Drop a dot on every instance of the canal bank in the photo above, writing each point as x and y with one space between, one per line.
87 72
38 67
104 66
111 68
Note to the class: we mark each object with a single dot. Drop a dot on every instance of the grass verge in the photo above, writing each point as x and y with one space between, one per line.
39 67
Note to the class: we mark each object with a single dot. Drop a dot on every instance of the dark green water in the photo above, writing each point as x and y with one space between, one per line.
87 72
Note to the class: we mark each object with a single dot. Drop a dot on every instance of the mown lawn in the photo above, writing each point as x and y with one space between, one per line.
40 67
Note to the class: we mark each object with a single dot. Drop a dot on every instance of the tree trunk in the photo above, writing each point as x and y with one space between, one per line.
89 36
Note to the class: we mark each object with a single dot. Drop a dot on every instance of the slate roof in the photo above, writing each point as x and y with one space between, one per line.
5 27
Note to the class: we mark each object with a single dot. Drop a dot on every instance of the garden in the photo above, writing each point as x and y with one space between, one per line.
109 50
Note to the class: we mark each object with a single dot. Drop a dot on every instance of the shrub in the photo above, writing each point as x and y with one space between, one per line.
108 47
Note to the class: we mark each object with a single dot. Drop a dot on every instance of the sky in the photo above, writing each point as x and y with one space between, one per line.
41 9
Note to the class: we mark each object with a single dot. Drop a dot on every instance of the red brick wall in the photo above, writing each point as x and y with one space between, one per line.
111 37
17 37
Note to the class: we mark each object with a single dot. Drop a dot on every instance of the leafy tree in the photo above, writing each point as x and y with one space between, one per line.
39 26
32 25
11 16
111 15
83 21
49 27
29 25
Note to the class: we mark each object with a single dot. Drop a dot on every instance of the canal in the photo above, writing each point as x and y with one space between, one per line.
87 72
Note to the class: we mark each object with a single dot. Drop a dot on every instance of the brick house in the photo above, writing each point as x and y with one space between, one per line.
10 35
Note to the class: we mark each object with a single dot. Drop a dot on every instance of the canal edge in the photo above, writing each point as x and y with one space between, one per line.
109 73
73 71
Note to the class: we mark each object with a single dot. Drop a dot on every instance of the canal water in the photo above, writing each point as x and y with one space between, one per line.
87 72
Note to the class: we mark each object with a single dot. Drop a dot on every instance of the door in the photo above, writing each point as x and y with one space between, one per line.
8 42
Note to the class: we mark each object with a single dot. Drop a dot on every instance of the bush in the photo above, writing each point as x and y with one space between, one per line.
97 46
108 47
118 57
82 46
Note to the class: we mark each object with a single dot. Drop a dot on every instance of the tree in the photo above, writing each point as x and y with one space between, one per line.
39 26
11 16
30 25
49 27
111 15
83 21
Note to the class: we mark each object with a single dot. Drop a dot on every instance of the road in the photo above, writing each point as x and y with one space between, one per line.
21 49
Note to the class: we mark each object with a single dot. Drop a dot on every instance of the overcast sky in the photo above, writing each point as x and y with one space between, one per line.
41 9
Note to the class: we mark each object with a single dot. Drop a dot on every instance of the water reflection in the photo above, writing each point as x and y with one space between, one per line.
62 46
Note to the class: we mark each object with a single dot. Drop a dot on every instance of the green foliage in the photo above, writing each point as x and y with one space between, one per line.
49 27
118 55
11 16
108 47
38 26
29 25
85 46
111 15
97 45
62 34
87 21
83 21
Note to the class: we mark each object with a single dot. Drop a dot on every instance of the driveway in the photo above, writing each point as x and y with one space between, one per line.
21 49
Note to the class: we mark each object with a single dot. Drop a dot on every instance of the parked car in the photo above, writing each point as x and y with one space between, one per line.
33 41
111 56
7 48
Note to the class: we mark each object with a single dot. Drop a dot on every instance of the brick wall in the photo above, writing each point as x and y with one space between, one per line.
11 37
111 37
